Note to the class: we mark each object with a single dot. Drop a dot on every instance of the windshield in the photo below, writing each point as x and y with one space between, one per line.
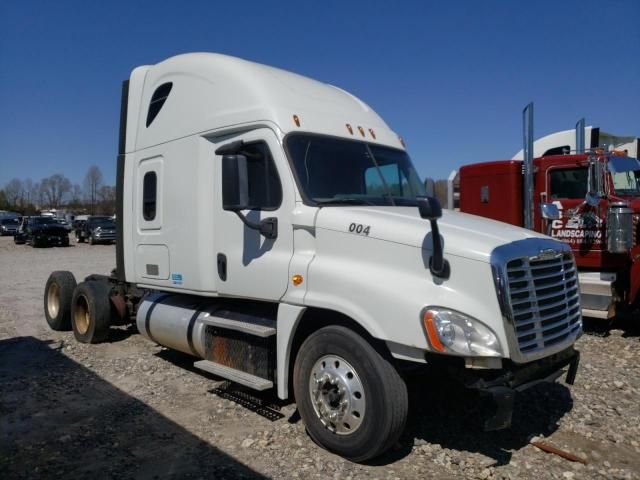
10 221
334 171
626 183
625 175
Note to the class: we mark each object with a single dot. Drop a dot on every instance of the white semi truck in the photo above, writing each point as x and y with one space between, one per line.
274 227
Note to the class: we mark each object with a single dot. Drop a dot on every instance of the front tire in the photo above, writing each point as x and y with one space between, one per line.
58 293
351 398
91 312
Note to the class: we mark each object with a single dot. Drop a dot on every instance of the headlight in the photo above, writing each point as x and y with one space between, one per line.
453 332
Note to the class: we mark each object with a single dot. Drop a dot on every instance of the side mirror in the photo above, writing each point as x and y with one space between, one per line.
235 195
549 211
430 209
235 183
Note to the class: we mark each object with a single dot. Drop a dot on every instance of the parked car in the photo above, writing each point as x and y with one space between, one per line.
9 226
67 226
41 232
95 229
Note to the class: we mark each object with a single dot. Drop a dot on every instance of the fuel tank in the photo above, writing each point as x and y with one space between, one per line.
175 321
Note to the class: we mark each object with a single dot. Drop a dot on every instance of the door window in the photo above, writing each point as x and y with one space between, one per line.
569 183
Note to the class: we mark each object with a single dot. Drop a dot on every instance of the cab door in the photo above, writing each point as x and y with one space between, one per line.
249 264
581 225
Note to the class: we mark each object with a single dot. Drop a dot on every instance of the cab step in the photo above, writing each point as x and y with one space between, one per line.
243 378
249 324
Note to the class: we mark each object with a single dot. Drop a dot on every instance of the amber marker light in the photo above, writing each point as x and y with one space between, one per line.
430 328
361 130
373 134
296 280
296 120
402 142
350 129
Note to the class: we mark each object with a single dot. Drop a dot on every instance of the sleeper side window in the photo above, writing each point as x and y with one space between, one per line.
149 196
157 101
568 183
265 190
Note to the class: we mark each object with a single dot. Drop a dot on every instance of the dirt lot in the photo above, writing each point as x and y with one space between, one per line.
132 409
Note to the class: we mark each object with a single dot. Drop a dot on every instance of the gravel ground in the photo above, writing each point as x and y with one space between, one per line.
131 409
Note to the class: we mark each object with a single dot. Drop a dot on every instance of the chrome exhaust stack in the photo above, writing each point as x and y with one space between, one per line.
580 136
527 133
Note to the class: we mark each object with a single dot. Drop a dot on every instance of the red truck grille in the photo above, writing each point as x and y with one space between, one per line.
544 298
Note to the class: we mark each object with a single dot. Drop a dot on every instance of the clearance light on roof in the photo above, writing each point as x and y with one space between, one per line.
296 120
373 134
402 142
619 153
361 130
350 129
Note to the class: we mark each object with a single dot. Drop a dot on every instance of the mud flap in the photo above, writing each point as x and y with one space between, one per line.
573 369
503 399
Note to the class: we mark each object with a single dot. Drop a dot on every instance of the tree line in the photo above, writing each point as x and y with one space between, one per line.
57 192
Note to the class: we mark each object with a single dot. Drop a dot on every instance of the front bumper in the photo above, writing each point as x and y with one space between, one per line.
501 386
104 237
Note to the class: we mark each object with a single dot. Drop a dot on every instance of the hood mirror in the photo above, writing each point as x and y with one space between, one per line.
430 209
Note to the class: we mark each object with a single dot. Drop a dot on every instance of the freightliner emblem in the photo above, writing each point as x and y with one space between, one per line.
548 254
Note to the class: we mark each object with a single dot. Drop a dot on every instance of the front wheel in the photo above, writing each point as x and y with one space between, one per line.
351 398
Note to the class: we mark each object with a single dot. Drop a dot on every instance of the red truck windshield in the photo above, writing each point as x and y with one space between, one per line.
625 175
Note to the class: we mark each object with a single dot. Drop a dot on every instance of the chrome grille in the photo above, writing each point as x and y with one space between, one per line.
544 298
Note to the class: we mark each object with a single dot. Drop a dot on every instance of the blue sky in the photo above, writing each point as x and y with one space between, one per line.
451 77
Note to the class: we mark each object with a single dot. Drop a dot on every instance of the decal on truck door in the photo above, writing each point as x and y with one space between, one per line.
581 226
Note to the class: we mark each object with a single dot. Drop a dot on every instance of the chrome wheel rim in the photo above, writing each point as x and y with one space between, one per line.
337 395
81 315
53 300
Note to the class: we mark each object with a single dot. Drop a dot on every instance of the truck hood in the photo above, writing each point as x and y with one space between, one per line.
464 235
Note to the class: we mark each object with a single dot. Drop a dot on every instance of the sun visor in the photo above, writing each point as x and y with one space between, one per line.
623 164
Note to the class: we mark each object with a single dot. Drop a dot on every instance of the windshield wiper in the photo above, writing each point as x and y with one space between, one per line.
345 201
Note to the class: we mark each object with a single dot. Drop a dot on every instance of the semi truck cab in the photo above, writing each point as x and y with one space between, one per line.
274 227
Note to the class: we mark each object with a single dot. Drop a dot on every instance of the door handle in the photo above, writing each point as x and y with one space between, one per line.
222 266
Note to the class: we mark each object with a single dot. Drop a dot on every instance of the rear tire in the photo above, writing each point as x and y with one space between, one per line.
58 293
356 405
91 312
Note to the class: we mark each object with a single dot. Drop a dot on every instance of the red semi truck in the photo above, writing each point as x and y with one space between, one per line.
588 198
